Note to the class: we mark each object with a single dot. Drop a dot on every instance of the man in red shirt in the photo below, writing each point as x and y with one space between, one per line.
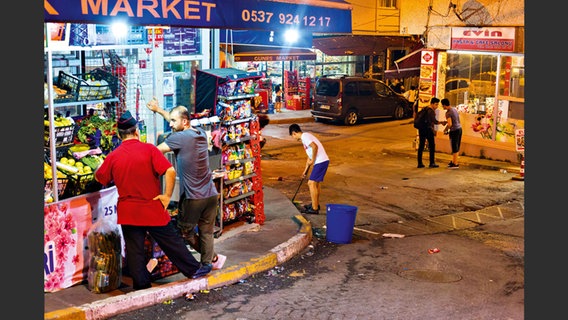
135 168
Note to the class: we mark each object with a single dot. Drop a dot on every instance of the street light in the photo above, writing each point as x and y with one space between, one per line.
291 36
119 30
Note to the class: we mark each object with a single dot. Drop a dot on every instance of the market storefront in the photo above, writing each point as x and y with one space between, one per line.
135 64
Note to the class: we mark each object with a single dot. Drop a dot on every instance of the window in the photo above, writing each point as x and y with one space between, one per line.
381 89
387 3
351 89
365 88
513 84
327 88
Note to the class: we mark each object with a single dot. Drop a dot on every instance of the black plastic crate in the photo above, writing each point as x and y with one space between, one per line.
80 90
78 183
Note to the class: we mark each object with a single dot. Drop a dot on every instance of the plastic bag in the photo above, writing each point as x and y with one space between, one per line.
105 258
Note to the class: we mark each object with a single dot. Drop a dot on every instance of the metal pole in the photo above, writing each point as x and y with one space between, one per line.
154 65
51 115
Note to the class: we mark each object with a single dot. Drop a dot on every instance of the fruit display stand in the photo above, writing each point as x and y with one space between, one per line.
70 208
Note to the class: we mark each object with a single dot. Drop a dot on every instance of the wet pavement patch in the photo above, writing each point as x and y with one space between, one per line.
430 276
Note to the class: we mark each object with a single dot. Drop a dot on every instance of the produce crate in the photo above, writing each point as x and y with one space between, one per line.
63 135
101 74
61 185
78 183
81 90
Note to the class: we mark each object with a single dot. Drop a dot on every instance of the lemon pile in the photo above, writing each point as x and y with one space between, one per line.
48 172
81 167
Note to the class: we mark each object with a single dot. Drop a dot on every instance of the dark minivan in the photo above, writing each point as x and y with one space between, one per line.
350 99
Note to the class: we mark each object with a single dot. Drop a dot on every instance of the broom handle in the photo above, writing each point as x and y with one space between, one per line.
301 181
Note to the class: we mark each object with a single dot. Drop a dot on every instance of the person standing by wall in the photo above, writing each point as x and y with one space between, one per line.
454 130
397 85
316 157
135 168
428 133
412 95
278 103
198 196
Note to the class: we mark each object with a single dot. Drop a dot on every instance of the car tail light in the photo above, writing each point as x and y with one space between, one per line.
339 103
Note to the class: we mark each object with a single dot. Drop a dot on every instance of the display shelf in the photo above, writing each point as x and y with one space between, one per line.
304 86
290 83
81 93
228 123
239 123
238 140
240 179
291 90
76 103
239 197
239 161
239 97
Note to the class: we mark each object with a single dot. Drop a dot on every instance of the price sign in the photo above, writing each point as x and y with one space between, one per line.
520 140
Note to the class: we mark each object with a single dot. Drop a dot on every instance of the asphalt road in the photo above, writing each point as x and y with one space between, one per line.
474 217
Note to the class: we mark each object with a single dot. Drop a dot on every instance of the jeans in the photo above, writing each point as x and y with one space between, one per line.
426 134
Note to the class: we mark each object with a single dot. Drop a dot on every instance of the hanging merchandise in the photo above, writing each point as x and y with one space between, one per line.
228 94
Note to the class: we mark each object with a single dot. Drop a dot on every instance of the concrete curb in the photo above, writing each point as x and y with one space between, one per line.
471 162
135 300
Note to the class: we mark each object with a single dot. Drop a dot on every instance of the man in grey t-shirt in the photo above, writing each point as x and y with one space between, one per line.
198 196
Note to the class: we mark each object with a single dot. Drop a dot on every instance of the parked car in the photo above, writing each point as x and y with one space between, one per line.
351 99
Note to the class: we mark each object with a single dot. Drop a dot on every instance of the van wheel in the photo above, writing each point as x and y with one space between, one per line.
398 113
351 117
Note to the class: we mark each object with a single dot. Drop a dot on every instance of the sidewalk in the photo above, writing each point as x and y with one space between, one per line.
291 116
250 249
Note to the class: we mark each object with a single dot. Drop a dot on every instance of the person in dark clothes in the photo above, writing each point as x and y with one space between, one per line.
428 133
198 195
278 101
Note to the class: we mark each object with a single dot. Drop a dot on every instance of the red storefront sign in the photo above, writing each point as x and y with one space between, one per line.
483 39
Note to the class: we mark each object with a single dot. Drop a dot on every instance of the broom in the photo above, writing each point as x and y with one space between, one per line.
297 203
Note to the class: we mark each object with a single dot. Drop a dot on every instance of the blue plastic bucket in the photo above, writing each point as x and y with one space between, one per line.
340 221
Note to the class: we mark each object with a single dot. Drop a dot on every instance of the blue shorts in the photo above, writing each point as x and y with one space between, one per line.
318 171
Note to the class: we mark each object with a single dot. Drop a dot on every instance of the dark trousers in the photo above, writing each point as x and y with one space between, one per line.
423 135
455 140
201 213
169 241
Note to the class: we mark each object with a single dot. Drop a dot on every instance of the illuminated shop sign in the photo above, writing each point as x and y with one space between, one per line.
228 14
483 39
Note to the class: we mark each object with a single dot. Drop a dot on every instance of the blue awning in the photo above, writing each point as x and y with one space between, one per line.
316 16
265 38
266 46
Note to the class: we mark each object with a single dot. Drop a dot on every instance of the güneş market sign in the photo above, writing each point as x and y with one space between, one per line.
226 14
